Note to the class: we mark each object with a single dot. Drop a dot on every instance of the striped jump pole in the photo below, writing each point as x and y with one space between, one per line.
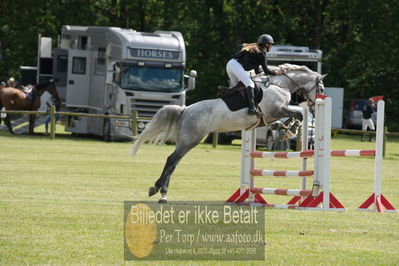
282 191
256 172
284 155
310 153
310 202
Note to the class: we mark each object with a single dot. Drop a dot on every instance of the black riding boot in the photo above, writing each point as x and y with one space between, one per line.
250 91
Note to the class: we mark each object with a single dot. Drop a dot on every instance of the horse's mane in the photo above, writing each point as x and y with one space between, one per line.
290 67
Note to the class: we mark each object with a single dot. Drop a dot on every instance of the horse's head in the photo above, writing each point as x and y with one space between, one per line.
50 87
311 89
305 82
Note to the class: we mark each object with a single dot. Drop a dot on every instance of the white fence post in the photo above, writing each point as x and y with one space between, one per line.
379 147
246 160
322 147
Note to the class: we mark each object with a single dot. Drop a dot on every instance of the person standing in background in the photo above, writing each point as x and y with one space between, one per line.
367 122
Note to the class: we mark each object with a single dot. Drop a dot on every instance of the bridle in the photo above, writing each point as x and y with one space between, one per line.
305 92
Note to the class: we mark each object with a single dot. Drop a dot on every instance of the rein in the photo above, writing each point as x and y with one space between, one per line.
293 81
303 91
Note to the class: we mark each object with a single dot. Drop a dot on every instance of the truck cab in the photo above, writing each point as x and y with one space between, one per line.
115 71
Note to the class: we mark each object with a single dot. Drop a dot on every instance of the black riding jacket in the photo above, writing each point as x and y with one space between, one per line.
252 60
367 111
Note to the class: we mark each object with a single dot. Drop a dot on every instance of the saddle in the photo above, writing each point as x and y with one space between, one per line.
27 89
235 98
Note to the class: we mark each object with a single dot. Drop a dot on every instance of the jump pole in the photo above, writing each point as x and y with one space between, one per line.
377 199
303 198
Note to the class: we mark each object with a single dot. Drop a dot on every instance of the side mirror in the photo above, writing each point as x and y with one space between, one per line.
191 80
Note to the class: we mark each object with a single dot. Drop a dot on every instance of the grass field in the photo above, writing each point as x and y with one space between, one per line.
61 202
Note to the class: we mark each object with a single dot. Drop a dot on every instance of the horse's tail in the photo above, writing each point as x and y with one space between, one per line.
161 128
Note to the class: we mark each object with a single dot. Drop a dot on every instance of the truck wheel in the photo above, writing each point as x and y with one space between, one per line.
107 130
269 141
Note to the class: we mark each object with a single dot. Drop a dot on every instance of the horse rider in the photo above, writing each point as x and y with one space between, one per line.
251 56
11 83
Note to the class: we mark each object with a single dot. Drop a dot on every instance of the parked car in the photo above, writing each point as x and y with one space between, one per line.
353 118
265 136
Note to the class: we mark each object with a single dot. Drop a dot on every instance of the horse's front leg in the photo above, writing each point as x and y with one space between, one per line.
284 111
32 119
297 116
293 129
278 125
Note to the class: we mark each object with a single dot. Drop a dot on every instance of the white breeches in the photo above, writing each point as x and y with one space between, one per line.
236 73
367 123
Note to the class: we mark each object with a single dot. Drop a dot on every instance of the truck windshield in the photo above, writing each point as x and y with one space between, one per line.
151 79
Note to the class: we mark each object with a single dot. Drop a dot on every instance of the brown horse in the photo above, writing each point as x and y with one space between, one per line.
15 99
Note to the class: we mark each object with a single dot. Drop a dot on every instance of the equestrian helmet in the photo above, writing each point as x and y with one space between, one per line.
265 38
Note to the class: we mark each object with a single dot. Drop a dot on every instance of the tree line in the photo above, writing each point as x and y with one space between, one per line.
359 38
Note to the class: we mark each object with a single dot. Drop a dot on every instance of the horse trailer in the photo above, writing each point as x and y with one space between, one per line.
115 71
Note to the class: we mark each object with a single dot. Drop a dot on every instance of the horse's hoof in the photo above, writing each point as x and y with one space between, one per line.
152 191
162 201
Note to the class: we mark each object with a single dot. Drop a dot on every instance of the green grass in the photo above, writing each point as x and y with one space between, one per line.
61 202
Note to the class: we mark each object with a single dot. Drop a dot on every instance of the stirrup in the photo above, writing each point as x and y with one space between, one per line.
254 112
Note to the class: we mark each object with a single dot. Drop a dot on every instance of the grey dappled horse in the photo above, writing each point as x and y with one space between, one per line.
188 125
